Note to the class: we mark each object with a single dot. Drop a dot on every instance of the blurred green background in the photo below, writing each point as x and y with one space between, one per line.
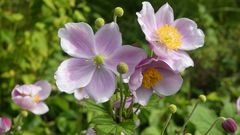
30 51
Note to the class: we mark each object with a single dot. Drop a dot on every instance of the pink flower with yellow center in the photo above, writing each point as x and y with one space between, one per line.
170 38
153 75
31 96
5 125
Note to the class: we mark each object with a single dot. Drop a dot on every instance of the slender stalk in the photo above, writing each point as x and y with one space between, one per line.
115 18
185 124
121 98
151 54
213 124
167 123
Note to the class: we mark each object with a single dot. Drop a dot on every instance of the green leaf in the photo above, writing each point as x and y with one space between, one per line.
203 118
92 106
151 131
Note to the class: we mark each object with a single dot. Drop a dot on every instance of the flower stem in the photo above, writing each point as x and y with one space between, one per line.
151 54
167 123
213 124
121 98
185 124
115 18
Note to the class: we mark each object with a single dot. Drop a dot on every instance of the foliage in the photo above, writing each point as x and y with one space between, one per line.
30 51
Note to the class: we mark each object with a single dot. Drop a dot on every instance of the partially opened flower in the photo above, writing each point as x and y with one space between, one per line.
90 73
153 75
170 38
31 96
5 125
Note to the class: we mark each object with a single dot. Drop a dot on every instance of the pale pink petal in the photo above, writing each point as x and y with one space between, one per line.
127 54
135 80
143 95
238 105
80 94
40 108
73 74
5 125
178 60
46 89
102 85
164 15
27 89
108 38
192 37
77 39
25 102
170 84
147 21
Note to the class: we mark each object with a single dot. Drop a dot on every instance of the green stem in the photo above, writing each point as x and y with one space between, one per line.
121 98
167 123
115 18
185 124
213 124
137 108
151 54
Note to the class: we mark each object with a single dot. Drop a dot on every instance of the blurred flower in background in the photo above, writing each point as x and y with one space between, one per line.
31 96
5 125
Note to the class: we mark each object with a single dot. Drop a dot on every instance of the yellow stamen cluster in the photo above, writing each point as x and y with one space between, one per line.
36 98
151 77
169 36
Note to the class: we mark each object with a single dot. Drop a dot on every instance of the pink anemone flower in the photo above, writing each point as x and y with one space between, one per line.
169 38
31 96
5 125
91 71
153 75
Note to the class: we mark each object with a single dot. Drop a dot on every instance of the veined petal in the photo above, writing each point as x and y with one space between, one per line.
27 89
192 37
143 95
73 74
164 15
147 21
135 80
80 94
178 60
127 54
40 108
46 89
108 38
25 102
77 39
102 85
170 84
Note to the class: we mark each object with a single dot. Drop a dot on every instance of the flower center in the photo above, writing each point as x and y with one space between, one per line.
36 98
98 59
169 36
150 78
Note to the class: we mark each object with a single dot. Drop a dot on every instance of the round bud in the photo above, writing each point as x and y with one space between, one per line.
122 68
172 108
202 98
118 11
99 22
229 125
188 134
24 113
99 60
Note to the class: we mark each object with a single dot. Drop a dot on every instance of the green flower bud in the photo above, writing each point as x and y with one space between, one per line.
24 113
99 60
188 134
118 11
122 68
172 108
99 22
202 98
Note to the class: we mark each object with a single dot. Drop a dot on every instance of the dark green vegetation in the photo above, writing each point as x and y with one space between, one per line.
30 51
